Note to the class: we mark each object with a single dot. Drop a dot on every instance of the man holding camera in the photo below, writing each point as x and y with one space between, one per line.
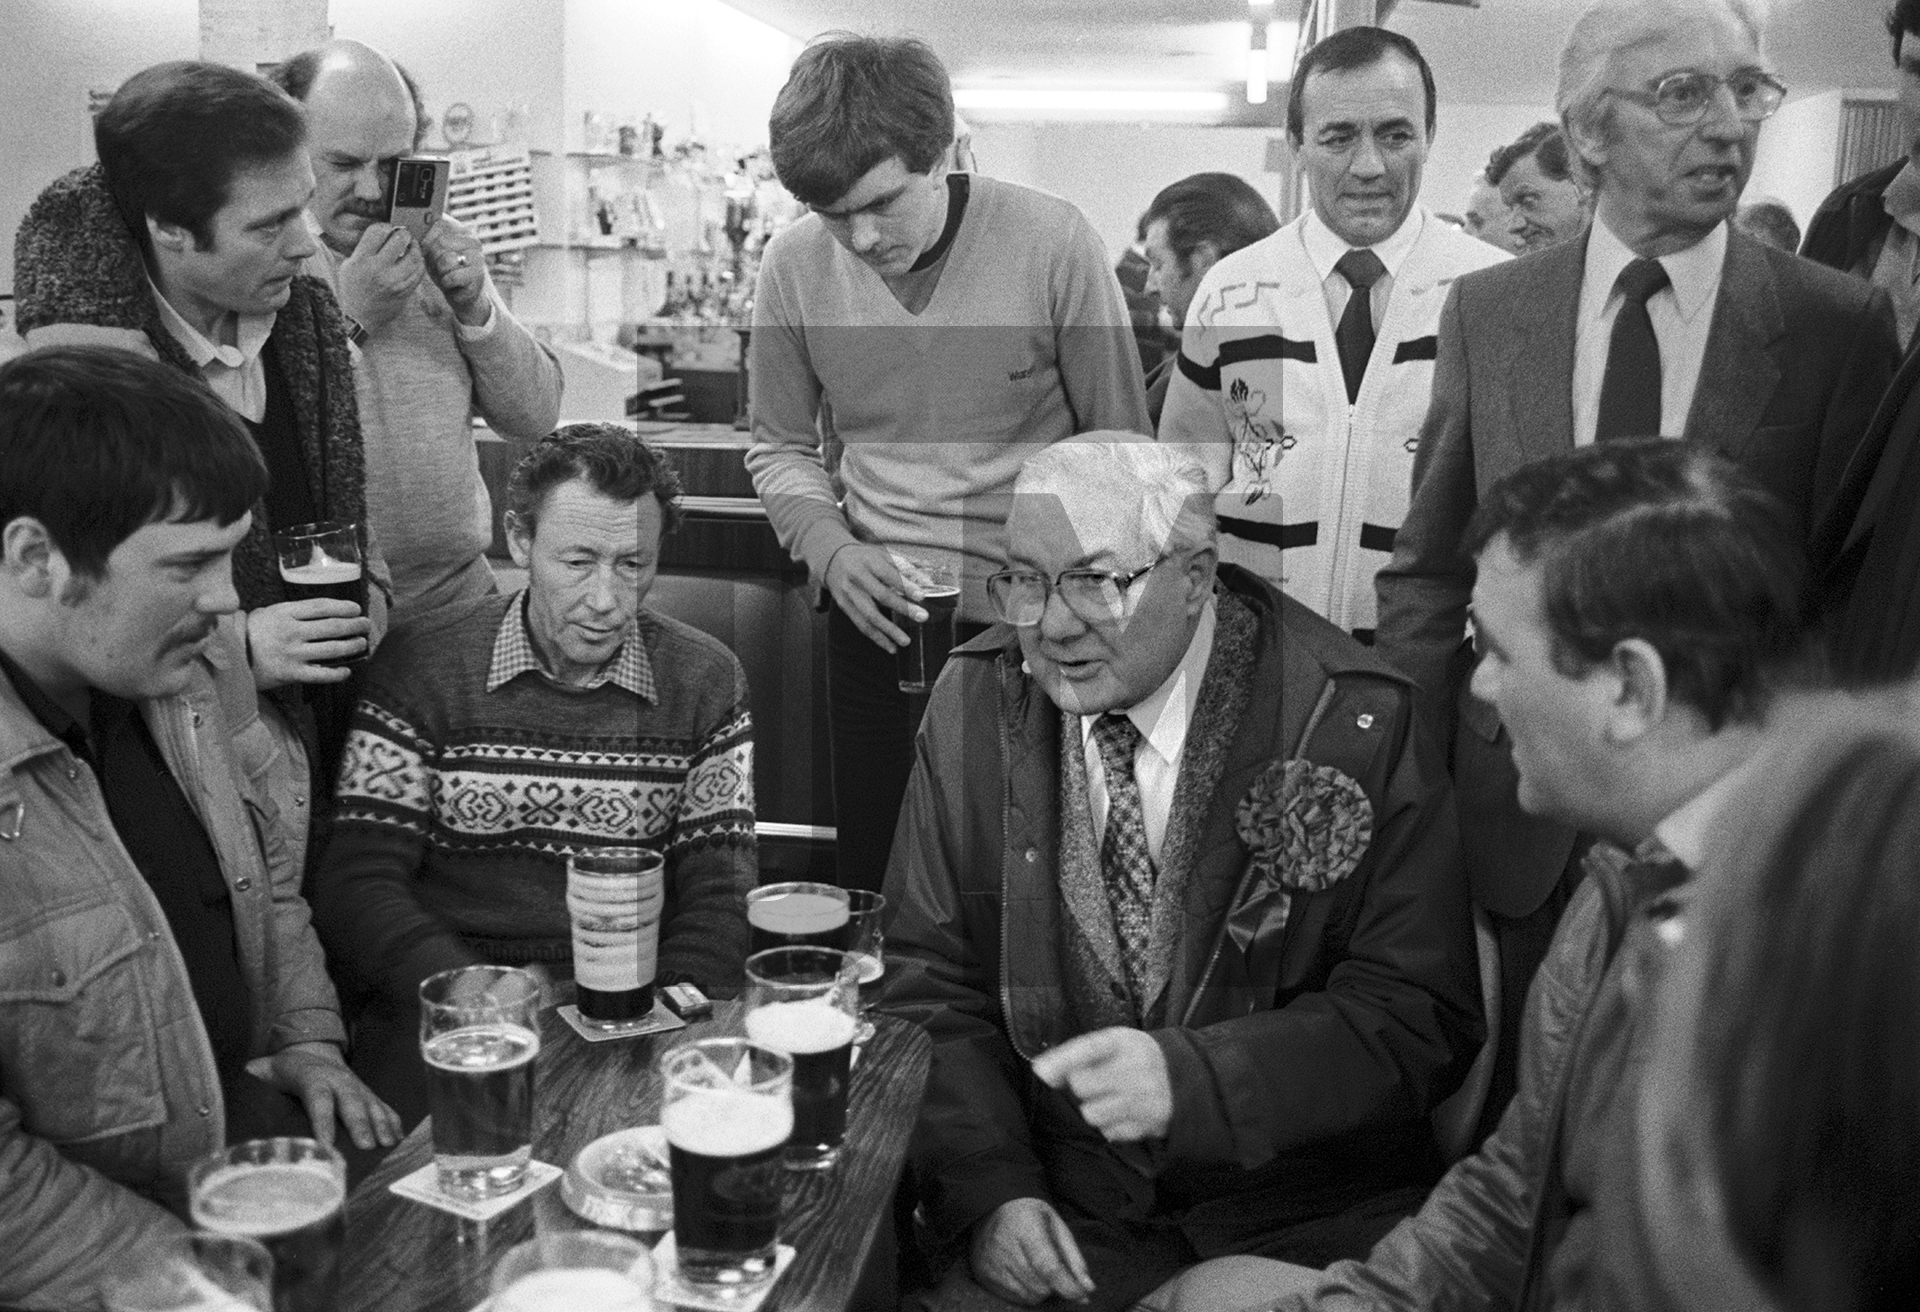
433 343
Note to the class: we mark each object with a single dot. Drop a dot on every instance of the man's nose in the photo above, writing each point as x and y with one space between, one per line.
1366 160
1722 121
603 590
1057 620
220 597
369 182
299 244
864 232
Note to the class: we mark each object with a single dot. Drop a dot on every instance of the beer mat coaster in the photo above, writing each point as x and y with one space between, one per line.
669 1288
659 1022
423 1186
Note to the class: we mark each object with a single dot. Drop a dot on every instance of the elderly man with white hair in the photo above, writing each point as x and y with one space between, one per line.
1658 320
1179 900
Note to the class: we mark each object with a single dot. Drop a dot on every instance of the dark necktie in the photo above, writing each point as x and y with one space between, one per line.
1125 863
1354 337
1630 390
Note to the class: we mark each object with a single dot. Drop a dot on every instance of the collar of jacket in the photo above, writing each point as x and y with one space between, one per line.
1289 675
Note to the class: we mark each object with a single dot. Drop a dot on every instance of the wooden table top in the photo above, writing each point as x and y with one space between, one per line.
402 1256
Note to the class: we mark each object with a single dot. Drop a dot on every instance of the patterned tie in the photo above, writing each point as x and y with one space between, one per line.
1630 390
1124 860
1354 337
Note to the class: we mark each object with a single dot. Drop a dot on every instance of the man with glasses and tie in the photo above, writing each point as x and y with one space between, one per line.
1660 320
1306 361
1180 903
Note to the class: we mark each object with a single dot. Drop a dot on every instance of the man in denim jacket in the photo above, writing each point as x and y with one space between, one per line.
161 990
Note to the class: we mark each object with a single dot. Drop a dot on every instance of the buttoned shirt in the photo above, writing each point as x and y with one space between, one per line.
1682 315
514 655
1897 271
235 372
1163 718
1325 247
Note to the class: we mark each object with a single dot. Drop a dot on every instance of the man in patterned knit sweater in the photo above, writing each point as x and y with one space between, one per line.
497 736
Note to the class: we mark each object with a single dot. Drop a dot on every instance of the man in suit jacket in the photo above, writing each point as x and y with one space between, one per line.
1870 225
1305 367
1754 353
1174 837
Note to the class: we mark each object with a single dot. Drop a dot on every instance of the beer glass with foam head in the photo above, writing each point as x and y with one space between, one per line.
199 1271
727 1109
479 1034
614 899
790 914
290 1196
573 1270
804 1001
323 560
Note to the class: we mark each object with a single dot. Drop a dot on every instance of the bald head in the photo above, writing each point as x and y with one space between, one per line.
361 115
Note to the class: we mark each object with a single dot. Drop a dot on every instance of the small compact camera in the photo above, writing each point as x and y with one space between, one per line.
417 193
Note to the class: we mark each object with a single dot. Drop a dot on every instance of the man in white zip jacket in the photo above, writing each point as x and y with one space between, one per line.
1307 361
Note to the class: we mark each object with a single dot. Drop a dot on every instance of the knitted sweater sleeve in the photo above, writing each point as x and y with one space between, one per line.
1099 362
711 857
377 934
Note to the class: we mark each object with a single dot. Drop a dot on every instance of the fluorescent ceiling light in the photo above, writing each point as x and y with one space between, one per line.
1256 77
1281 39
1091 100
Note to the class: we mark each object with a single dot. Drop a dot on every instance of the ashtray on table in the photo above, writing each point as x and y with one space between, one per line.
623 1180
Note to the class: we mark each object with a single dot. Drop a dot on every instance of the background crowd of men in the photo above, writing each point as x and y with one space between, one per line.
1338 816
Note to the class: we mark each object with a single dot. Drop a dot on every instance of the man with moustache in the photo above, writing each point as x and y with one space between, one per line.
161 991
1661 321
1307 357
435 345
1170 839
1545 205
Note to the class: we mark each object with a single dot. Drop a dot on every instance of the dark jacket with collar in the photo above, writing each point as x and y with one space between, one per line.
75 263
1796 361
1847 230
1315 1069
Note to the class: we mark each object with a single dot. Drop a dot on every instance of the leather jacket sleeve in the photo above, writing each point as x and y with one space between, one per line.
972 1149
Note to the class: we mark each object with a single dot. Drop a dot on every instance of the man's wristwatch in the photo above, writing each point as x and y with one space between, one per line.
356 331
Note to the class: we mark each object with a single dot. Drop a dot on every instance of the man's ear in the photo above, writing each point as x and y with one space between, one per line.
1641 693
29 558
169 237
1589 139
519 540
1202 565
1203 257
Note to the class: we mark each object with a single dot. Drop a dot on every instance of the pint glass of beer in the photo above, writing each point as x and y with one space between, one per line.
918 663
727 1109
784 915
804 1002
322 560
479 1033
614 898
199 1271
289 1195
574 1270
866 912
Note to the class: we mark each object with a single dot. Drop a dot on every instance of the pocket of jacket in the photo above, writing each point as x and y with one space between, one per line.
78 1051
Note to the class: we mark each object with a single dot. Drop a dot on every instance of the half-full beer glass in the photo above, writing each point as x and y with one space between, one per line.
289 1195
918 664
574 1271
782 915
805 1002
614 898
479 1034
323 560
727 1109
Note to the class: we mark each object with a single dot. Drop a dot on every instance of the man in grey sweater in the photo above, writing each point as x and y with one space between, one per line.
945 327
433 344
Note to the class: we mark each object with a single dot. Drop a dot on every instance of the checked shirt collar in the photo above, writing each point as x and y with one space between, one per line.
514 655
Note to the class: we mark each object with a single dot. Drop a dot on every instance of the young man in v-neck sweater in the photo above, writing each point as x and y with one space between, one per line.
943 327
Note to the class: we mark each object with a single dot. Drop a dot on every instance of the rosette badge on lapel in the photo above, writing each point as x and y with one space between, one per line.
1307 827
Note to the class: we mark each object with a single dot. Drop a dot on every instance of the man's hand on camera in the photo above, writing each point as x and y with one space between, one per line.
376 280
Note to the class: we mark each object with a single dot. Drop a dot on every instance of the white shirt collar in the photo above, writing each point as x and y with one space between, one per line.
1325 247
1901 199
1693 275
1688 831
1164 716
250 336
